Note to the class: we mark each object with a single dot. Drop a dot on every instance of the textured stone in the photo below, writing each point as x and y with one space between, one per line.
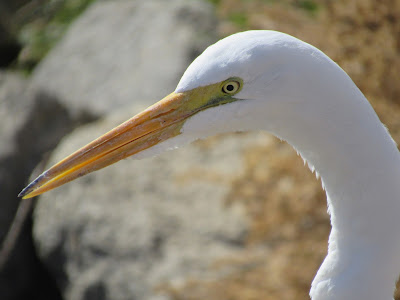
124 231
120 52
32 123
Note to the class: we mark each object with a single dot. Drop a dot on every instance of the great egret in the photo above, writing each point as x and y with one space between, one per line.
272 81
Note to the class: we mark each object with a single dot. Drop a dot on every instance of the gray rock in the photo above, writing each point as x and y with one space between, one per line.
31 124
120 233
123 231
119 52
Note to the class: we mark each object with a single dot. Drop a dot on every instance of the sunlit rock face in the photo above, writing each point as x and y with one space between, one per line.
32 122
121 52
129 230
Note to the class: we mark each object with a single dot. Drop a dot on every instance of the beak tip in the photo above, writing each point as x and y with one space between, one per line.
24 194
30 188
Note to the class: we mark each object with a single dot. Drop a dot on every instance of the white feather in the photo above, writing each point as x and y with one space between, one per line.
297 93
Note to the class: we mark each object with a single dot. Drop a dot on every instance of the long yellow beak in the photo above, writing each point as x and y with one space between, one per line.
157 123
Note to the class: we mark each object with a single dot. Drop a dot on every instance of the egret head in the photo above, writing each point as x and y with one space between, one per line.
279 79
236 84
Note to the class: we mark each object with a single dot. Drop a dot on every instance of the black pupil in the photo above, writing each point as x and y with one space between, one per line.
230 87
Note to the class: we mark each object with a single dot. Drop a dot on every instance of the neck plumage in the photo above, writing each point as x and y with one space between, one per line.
359 165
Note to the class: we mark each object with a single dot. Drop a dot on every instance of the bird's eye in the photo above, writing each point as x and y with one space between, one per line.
231 87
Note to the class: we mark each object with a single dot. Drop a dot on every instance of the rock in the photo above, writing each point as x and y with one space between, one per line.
32 123
119 52
125 231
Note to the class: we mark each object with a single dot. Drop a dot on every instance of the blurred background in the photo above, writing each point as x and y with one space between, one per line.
236 216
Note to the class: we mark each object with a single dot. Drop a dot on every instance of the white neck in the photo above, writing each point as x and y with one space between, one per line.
303 97
361 177
359 165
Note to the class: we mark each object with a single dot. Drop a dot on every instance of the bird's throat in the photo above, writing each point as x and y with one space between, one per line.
360 171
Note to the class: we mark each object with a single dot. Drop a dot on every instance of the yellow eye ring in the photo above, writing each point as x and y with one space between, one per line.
231 87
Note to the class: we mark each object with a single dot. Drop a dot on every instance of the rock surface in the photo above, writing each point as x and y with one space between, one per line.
125 231
32 123
119 52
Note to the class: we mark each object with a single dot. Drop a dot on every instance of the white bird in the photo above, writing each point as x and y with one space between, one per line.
269 80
